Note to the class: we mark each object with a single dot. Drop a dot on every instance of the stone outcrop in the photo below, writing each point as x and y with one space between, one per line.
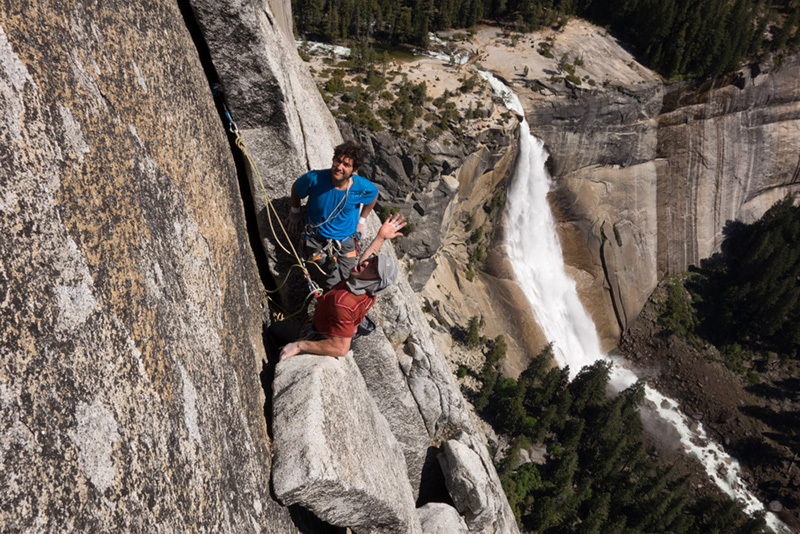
474 493
443 409
696 157
441 518
377 364
334 451
130 300
732 152
268 90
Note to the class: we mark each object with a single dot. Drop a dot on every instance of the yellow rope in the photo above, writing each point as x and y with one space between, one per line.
270 212
281 314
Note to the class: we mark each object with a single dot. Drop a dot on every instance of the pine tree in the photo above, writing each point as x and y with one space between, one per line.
752 291
589 387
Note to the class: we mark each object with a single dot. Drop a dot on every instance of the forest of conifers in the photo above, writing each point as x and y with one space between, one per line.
598 476
696 38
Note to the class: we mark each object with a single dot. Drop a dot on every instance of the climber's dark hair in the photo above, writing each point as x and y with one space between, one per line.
352 150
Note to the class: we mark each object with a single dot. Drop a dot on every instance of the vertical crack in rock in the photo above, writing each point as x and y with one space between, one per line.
796 175
251 217
621 321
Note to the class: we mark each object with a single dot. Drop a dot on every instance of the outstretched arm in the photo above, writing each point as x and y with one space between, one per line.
390 229
330 346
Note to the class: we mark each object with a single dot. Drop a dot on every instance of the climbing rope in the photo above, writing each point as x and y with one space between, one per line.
313 287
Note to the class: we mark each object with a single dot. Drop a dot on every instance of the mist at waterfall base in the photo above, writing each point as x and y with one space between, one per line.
535 254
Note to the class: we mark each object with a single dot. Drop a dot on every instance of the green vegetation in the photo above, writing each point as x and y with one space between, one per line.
678 316
335 84
674 37
597 476
476 236
407 106
749 293
468 84
545 47
498 199
474 332
746 298
490 373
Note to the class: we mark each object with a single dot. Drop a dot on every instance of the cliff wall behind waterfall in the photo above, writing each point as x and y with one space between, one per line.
647 174
702 156
134 367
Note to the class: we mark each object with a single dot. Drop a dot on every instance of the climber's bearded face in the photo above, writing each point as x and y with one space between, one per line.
342 168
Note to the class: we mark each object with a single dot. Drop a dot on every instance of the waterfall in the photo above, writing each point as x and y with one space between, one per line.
535 254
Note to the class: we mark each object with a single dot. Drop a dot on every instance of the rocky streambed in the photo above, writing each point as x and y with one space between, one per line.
755 420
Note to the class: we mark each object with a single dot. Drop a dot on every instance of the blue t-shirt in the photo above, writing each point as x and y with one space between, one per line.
323 199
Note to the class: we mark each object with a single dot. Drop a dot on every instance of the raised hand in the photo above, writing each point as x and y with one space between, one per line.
392 227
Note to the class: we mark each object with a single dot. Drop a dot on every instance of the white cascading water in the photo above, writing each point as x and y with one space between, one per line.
535 254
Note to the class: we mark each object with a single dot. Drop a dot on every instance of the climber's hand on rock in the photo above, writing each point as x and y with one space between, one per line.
290 350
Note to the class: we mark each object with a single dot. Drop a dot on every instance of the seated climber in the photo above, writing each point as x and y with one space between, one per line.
341 310
335 213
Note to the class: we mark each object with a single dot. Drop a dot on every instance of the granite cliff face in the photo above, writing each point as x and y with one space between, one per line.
698 156
131 300
131 305
647 174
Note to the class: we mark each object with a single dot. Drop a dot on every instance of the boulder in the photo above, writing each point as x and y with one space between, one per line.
444 410
378 364
441 518
334 453
475 488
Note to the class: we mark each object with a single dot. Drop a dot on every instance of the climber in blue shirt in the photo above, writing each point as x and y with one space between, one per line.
339 201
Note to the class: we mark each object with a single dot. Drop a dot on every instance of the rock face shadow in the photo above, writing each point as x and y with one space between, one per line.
432 486
308 523
268 375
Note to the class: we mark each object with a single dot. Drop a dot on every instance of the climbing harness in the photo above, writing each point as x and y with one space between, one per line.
331 250
313 287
